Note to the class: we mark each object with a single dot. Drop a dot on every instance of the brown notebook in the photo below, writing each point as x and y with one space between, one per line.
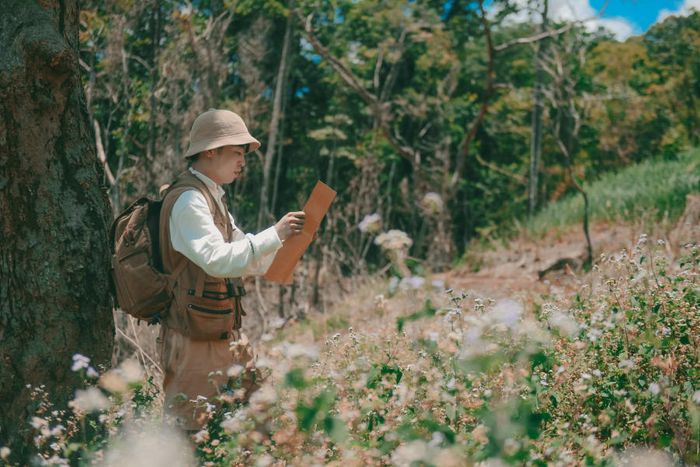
294 247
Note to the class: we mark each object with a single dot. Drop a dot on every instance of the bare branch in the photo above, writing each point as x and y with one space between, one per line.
351 80
101 153
517 177
552 33
535 38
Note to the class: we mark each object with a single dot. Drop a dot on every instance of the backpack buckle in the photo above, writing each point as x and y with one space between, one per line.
234 288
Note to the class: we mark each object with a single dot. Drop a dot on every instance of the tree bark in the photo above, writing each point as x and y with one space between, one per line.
536 143
54 216
155 26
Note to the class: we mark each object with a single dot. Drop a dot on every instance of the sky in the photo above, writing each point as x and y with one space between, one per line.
623 17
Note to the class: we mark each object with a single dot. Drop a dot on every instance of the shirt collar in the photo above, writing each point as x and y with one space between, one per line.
214 187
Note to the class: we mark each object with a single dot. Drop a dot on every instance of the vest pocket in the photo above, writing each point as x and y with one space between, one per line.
209 321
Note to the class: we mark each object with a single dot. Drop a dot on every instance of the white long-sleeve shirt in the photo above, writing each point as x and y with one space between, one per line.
194 234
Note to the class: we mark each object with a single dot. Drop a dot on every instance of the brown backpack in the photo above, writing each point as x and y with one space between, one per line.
138 283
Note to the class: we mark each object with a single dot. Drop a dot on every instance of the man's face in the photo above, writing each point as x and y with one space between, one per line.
229 162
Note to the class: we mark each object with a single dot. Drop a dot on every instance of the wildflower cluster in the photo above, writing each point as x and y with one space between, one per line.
610 376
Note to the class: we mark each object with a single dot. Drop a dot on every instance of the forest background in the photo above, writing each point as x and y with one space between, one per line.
449 121
442 125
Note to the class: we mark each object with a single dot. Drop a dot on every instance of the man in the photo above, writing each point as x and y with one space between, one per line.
201 343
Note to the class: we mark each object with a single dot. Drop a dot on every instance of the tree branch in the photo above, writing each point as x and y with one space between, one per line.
535 38
351 80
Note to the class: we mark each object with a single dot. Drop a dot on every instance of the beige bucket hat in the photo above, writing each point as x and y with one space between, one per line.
215 128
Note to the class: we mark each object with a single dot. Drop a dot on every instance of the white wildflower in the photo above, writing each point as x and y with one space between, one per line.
92 373
262 398
264 362
642 239
564 323
437 439
654 389
79 362
696 397
201 436
627 363
432 203
234 371
510 446
594 334
393 284
507 312
408 453
393 240
491 462
411 283
38 422
371 224
131 371
113 382
152 446
4 452
644 457
264 461
89 400
235 423
117 380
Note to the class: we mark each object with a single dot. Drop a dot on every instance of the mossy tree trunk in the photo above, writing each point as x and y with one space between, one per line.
54 215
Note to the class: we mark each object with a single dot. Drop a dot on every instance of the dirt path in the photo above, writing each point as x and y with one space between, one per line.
516 268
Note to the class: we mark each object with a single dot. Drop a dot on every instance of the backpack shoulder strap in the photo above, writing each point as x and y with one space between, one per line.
173 263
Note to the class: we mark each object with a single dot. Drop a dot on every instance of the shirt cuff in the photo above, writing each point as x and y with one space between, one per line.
265 242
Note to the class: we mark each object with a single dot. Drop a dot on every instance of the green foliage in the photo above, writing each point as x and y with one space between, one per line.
658 187
580 380
427 311
150 69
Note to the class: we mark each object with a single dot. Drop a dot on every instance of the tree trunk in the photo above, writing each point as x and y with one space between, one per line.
280 86
54 215
155 26
536 143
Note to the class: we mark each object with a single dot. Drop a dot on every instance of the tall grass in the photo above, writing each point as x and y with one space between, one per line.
654 186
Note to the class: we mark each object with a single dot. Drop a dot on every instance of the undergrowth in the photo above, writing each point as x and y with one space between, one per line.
656 186
607 376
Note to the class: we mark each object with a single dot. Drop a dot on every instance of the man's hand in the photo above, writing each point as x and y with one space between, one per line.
290 224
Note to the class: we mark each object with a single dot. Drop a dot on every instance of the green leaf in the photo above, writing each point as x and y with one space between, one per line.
427 311
295 379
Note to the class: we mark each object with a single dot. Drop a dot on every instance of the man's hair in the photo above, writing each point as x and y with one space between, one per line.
192 159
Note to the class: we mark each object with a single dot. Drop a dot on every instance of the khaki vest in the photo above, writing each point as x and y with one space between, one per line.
203 307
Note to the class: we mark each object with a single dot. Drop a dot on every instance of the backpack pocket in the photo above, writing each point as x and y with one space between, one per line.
209 319
140 290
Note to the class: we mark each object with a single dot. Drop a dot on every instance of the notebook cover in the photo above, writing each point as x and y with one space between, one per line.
292 250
